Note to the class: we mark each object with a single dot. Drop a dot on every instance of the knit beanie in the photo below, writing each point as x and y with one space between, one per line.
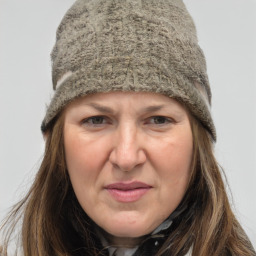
129 45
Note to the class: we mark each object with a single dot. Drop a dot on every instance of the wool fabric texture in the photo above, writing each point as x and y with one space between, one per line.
130 45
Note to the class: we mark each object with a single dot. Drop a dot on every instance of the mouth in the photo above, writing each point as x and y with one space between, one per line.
127 192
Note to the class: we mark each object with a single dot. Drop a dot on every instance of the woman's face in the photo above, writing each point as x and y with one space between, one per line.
128 156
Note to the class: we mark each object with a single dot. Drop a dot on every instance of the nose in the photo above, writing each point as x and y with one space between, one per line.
128 151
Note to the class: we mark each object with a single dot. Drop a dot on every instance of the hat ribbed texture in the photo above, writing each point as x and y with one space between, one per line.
129 45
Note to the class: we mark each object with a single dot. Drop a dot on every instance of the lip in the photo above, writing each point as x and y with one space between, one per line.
128 192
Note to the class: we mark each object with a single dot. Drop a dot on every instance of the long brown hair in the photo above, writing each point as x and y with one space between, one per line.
54 224
209 226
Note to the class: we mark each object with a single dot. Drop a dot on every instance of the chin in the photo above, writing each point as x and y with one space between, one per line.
132 233
128 229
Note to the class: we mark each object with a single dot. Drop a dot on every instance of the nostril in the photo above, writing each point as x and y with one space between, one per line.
127 162
127 148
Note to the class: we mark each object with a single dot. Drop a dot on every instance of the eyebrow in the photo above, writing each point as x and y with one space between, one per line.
101 108
109 110
153 108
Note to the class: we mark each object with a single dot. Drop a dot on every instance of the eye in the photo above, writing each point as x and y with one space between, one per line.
95 121
159 120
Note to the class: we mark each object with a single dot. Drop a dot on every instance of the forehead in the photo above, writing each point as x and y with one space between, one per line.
129 99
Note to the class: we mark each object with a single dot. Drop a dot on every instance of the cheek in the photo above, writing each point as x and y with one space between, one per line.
81 155
176 152
174 162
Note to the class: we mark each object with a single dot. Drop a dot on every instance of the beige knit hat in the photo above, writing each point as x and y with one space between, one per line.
129 45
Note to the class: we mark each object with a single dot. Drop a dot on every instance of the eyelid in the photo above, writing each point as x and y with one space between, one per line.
107 120
85 121
168 120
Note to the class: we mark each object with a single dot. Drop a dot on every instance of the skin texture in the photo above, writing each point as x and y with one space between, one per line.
143 137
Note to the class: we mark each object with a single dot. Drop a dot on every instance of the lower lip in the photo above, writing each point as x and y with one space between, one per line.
127 196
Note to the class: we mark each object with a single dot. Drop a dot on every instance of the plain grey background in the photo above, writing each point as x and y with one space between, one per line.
227 34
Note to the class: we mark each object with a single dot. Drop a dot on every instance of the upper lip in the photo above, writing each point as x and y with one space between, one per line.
128 186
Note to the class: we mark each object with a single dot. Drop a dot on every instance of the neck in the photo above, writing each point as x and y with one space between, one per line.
119 242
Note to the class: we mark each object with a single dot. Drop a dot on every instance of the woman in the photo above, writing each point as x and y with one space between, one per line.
129 166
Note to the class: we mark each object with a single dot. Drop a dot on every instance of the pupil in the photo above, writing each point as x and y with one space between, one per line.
97 120
159 120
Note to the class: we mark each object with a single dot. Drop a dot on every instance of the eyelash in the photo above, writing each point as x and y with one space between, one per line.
89 121
162 118
105 120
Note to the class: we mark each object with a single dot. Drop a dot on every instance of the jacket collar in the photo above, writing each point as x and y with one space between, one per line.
156 238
